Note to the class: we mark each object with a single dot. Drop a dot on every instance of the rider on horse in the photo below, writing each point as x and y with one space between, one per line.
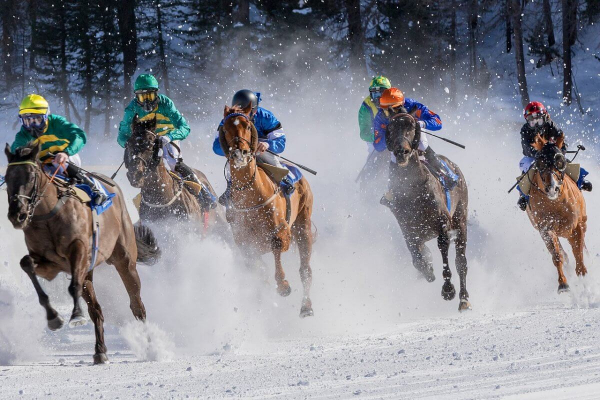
539 122
171 128
370 107
59 140
270 137
393 102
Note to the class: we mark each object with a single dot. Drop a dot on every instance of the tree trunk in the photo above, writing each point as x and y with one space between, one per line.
63 77
7 10
569 19
515 12
453 44
356 38
242 14
161 49
473 19
548 25
509 30
128 33
32 12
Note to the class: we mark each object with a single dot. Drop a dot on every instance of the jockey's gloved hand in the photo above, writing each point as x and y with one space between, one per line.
164 140
422 124
61 158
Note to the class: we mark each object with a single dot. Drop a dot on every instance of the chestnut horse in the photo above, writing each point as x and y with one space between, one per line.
259 208
420 206
557 207
58 233
163 195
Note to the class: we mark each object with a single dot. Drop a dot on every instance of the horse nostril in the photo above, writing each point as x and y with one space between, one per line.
22 217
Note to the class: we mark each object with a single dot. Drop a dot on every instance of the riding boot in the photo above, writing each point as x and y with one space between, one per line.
449 177
206 199
587 186
225 198
287 187
77 175
386 199
522 202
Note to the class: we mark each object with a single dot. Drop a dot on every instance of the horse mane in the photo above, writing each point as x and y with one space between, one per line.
400 124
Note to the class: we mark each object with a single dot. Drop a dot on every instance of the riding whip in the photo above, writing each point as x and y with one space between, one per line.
117 171
518 181
89 173
444 139
312 171
579 147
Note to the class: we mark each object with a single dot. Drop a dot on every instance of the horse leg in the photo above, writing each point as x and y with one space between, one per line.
421 258
448 290
553 246
95 311
127 269
577 240
303 235
461 264
283 286
78 259
55 322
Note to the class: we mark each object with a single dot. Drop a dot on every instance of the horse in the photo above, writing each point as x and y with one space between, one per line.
58 232
162 194
557 207
424 210
259 207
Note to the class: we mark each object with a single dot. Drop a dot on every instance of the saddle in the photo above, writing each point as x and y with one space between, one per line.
277 175
572 171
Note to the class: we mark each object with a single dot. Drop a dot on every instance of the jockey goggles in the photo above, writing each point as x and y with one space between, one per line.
145 95
35 121
376 93
535 119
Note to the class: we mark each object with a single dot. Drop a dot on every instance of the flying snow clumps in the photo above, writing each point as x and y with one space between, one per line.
148 342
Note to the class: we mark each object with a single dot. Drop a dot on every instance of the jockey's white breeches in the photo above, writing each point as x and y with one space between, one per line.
171 154
526 163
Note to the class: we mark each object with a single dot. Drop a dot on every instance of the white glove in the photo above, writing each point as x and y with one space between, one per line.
422 124
164 139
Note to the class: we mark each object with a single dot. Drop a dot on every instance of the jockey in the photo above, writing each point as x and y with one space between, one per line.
171 128
393 102
59 140
369 108
270 137
539 122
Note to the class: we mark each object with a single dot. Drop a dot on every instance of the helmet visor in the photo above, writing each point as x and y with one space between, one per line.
376 93
35 121
145 96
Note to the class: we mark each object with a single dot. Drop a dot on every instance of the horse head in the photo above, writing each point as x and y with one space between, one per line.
23 175
142 150
238 136
551 164
402 137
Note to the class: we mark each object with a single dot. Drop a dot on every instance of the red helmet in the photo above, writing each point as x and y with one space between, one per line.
535 107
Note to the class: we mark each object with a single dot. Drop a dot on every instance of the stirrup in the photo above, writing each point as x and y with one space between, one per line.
587 186
207 199
287 187
386 200
522 202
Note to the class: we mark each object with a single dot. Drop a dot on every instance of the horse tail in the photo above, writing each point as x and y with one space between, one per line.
147 245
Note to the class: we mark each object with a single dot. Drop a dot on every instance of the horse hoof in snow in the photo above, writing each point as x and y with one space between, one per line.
284 289
56 323
306 312
77 321
448 291
464 305
563 288
100 358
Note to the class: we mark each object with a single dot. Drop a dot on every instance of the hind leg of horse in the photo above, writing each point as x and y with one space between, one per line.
127 270
461 265
303 235
448 290
576 240
283 286
553 246
95 311
55 322
421 258
78 255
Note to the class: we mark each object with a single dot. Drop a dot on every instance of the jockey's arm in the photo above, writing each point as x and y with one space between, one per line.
275 139
527 139
432 121
181 129
365 123
125 125
379 128
68 130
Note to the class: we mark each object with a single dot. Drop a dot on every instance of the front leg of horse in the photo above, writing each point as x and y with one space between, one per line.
461 266
55 322
448 290
303 237
421 258
577 242
283 286
78 258
95 312
553 245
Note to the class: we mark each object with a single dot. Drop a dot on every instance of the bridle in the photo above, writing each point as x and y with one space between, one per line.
414 145
559 174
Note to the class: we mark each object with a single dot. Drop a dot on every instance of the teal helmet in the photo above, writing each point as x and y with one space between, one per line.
145 82
145 89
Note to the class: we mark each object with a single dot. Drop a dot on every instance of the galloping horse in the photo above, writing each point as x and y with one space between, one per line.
259 217
423 208
162 194
557 207
58 232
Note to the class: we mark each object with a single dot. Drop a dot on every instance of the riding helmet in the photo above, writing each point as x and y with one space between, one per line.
245 97
535 107
145 89
392 97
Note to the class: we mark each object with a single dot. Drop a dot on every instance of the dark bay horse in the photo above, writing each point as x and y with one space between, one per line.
58 232
420 205
557 207
259 208
162 195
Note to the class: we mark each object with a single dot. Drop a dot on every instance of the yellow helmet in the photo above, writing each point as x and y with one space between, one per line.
33 104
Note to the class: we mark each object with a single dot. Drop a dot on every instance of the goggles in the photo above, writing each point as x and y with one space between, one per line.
535 119
376 93
35 121
145 95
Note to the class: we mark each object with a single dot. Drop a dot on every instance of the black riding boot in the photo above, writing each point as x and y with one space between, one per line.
206 199
522 202
225 198
77 175
587 186
450 178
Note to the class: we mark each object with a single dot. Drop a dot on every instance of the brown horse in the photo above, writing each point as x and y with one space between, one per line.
163 195
259 208
420 205
557 207
58 232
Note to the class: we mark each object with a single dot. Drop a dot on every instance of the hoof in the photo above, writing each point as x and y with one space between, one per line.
56 323
563 288
448 291
100 358
306 312
77 321
464 305
428 274
284 290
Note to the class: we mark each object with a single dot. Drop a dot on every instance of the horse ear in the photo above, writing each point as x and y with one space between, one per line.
254 139
153 124
134 122
226 111
560 142
9 155
417 138
223 142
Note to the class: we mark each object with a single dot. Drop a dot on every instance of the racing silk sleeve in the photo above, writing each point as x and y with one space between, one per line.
380 124
433 122
269 130
21 139
125 125
217 144
69 131
554 132
181 129
527 136
366 114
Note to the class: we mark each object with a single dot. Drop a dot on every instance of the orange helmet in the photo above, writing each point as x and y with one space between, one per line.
392 97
